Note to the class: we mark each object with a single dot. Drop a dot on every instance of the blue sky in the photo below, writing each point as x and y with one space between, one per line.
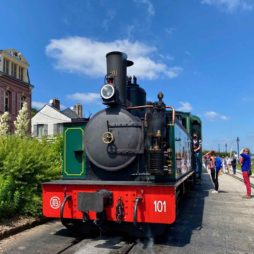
200 53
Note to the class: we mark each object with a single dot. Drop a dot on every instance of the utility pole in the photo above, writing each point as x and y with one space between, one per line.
226 148
219 148
237 142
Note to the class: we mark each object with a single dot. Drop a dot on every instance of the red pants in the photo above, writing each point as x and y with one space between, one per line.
246 179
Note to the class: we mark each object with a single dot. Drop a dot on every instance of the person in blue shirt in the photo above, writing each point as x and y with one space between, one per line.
246 170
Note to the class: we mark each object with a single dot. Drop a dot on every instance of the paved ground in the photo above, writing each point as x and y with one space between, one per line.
207 223
40 239
210 223
239 174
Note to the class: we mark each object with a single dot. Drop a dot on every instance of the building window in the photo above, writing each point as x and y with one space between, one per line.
21 73
7 101
22 101
42 130
34 130
14 70
6 66
58 128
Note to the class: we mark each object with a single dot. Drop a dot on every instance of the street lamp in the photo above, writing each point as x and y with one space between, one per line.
237 142
226 148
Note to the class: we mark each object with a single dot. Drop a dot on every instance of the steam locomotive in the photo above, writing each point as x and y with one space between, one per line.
126 166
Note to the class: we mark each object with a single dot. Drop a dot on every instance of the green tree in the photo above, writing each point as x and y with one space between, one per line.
4 125
34 112
36 161
22 122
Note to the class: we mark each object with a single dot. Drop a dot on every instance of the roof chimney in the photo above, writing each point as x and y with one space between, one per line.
78 109
55 103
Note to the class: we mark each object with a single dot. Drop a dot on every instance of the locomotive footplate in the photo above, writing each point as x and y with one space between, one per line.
94 201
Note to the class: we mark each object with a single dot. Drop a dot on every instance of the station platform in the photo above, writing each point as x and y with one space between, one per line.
210 223
239 174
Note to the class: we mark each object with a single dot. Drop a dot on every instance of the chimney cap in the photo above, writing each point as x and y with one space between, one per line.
78 109
55 103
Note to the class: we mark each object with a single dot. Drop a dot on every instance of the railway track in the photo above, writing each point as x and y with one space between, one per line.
112 245
52 238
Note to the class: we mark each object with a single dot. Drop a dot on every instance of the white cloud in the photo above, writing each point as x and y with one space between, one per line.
167 57
185 106
230 5
213 116
38 104
169 31
86 56
84 97
110 15
130 31
149 5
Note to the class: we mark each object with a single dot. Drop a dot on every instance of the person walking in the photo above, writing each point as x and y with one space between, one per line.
233 164
229 166
224 165
246 170
214 172
196 144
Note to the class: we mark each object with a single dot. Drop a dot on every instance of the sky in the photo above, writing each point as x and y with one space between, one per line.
199 53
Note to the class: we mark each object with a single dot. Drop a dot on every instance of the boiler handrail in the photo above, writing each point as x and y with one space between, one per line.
152 106
139 107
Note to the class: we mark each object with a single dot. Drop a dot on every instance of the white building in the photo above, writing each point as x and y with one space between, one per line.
49 120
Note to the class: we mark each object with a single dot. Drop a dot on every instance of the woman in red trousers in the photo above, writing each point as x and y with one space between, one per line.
246 170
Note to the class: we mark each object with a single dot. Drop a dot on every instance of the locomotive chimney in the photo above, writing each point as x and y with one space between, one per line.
117 64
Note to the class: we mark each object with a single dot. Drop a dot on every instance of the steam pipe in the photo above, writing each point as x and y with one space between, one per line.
173 113
66 199
137 201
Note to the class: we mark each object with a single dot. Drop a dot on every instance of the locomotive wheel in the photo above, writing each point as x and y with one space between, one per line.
79 228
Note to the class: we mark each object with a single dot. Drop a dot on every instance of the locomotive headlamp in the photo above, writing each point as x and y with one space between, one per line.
107 92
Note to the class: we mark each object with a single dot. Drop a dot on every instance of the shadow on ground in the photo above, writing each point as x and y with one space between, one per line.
190 215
